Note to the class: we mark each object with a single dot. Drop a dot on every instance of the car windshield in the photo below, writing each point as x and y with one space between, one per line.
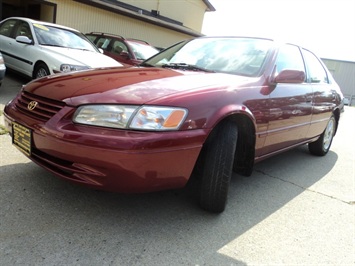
239 56
142 51
53 36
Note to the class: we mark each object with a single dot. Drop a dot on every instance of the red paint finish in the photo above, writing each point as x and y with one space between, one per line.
283 110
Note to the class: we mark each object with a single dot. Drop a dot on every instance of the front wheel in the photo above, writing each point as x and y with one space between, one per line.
41 70
217 167
322 145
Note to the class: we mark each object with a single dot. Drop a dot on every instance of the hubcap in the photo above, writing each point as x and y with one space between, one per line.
328 134
41 73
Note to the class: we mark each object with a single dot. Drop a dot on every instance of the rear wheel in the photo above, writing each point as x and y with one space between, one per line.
217 167
322 145
41 70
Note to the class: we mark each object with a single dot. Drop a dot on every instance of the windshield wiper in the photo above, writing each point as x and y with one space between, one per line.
54 45
184 66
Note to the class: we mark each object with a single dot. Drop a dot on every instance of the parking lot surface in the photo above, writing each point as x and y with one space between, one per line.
295 209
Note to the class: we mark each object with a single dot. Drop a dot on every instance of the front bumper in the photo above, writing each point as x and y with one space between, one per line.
114 160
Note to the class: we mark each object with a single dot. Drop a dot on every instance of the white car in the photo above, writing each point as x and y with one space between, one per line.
38 49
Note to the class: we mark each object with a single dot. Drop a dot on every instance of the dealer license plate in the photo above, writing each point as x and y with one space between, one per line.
21 138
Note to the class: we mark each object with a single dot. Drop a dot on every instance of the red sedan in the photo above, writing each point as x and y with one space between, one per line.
210 105
125 51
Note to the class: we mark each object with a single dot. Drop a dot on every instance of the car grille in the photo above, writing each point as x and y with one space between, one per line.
45 108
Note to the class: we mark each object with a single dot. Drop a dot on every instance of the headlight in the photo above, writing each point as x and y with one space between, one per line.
68 68
134 117
115 116
158 118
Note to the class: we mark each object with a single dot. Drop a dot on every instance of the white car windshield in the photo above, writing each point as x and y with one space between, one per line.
53 36
240 56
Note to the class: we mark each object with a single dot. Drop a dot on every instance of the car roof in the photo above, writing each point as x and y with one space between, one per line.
117 36
105 34
33 21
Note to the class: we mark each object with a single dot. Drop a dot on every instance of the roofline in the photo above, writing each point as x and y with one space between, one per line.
338 60
142 17
210 7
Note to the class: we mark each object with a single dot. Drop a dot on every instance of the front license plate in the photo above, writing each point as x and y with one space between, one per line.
21 138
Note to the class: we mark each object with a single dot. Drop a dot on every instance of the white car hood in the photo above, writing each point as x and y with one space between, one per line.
82 57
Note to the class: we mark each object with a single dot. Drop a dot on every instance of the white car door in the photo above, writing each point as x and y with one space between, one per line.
17 55
7 41
23 52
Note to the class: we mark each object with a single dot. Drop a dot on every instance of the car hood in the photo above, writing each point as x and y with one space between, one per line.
126 85
81 57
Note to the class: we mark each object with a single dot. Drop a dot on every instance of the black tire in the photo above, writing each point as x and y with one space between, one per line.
41 70
322 145
217 165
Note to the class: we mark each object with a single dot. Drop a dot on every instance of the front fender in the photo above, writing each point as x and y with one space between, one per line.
53 59
231 110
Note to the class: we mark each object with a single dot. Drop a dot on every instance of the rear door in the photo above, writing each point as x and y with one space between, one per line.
325 98
7 40
17 55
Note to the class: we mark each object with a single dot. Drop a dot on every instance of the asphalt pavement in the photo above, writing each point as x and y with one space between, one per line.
295 209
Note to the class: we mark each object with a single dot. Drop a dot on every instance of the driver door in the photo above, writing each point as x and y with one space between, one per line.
289 107
23 51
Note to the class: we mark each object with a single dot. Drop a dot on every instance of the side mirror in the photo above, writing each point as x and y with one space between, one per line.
290 76
124 54
23 39
101 50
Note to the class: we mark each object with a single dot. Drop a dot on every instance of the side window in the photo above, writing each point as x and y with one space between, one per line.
289 57
103 43
23 29
7 27
119 47
316 71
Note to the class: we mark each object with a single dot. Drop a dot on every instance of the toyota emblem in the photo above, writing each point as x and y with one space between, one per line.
32 105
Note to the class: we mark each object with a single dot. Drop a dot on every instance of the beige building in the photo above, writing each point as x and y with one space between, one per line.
344 74
160 22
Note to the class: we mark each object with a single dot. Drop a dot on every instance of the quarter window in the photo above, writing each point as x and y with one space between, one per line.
316 71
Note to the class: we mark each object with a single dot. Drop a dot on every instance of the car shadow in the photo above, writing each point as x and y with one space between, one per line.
153 228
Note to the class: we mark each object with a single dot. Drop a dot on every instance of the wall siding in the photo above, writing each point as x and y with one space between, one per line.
189 12
344 74
87 18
